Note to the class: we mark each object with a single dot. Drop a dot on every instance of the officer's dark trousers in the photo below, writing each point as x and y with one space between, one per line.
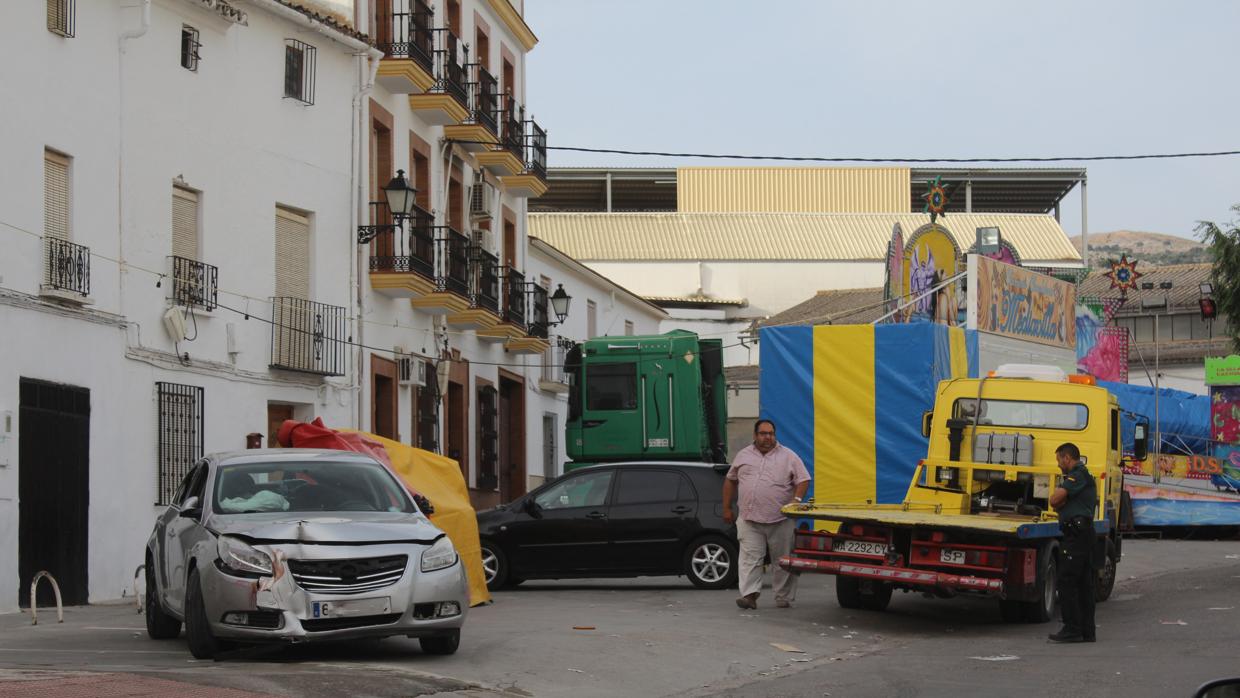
1076 578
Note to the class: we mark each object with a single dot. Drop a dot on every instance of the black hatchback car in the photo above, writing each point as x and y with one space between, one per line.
615 520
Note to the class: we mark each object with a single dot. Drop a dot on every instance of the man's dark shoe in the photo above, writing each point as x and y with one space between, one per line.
748 601
1066 636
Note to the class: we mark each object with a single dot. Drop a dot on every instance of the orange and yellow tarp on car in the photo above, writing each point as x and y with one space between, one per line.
436 477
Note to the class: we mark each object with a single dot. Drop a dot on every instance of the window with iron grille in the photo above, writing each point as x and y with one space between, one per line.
189 48
426 430
180 435
60 14
488 438
299 71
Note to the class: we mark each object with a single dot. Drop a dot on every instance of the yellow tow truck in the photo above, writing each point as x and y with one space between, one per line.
976 518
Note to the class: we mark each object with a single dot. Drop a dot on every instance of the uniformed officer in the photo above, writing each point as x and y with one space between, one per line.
1076 500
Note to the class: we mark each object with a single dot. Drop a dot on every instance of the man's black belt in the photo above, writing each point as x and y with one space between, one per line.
1077 522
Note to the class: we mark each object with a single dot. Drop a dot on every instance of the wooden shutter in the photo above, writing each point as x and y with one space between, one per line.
184 223
55 195
292 254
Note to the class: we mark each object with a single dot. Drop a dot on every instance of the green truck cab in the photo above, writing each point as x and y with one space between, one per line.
650 397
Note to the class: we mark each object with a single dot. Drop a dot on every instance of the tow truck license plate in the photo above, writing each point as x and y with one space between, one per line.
352 607
953 557
860 547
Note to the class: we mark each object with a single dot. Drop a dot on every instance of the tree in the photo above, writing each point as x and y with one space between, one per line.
1224 247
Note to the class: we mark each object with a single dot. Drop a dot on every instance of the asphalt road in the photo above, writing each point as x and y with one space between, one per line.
1171 625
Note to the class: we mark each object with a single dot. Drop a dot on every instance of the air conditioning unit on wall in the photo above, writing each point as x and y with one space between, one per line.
411 371
481 198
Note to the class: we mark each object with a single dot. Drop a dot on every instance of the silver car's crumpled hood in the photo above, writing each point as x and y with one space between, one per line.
348 528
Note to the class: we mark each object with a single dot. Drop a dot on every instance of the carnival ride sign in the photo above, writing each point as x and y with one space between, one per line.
930 257
1021 304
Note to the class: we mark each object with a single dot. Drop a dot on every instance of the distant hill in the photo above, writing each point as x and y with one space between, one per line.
1151 248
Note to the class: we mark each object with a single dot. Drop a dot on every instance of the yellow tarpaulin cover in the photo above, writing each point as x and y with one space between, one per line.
439 479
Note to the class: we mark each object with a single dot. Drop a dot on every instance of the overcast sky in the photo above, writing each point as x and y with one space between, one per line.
908 79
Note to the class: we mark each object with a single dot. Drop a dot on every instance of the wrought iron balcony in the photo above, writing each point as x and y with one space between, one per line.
452 250
486 280
194 283
450 59
308 337
404 29
514 297
536 150
538 312
512 127
483 98
66 266
395 250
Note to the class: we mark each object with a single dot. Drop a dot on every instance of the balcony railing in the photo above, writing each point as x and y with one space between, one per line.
483 97
452 261
538 311
394 250
307 336
66 266
536 149
403 29
514 297
194 283
486 280
512 127
450 59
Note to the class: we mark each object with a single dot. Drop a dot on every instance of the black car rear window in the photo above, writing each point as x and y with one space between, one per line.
646 486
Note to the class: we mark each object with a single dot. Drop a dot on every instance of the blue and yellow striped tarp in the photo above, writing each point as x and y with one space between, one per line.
848 400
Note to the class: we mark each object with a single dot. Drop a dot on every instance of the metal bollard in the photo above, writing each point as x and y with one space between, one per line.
141 598
34 585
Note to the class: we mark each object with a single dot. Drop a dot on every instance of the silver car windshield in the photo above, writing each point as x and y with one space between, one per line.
307 486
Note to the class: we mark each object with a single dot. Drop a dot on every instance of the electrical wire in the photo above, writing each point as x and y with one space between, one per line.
860 158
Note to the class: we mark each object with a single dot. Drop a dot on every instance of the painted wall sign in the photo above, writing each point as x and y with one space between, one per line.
1223 370
931 256
1017 303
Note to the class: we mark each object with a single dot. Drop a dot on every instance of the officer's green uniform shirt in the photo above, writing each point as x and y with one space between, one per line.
1082 493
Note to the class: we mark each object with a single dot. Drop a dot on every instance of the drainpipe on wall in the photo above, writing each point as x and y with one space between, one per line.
120 152
369 63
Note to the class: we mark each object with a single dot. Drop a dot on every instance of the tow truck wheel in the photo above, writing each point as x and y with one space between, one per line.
868 595
1043 609
1105 584
848 592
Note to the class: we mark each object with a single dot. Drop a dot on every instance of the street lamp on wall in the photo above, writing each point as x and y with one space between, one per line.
560 301
401 197
401 200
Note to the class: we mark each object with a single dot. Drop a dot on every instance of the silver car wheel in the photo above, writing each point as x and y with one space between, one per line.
711 562
490 565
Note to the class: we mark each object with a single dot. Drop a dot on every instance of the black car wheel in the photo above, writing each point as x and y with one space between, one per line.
711 563
159 625
494 566
202 642
441 644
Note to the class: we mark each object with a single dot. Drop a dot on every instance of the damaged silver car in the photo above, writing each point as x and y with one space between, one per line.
294 545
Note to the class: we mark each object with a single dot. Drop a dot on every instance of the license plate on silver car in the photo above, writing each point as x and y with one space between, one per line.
859 547
351 607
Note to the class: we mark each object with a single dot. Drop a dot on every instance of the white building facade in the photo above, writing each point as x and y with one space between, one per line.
186 185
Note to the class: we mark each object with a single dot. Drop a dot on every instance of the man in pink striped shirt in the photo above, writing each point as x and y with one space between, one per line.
768 476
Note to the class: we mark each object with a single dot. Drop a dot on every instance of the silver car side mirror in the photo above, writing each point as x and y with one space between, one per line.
190 508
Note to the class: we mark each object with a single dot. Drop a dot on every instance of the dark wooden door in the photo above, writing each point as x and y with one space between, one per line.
53 489
276 414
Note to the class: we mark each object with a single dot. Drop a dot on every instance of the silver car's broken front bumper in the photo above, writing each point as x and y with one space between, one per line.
276 609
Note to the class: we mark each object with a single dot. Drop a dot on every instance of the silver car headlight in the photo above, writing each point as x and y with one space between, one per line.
440 555
242 558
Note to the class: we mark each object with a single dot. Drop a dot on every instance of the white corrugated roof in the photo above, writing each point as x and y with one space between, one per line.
781 236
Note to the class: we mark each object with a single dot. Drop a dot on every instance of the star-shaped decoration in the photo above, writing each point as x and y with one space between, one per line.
935 198
1124 274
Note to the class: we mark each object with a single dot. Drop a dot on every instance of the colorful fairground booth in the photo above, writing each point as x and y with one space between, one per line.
848 398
